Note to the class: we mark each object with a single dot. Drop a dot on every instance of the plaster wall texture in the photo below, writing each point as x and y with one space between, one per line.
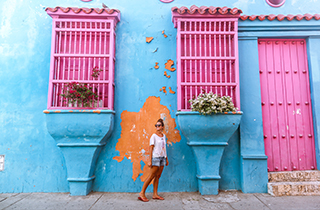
33 162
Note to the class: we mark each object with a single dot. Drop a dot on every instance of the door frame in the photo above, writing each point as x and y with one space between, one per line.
253 163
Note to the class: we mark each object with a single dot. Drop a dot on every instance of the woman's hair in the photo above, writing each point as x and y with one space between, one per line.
161 121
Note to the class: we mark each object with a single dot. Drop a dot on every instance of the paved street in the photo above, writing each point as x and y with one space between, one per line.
98 200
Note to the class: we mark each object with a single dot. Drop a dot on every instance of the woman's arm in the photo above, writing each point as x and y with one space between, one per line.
151 150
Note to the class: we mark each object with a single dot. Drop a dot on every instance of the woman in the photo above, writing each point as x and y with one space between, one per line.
158 158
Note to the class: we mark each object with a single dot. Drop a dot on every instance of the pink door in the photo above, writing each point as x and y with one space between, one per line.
286 104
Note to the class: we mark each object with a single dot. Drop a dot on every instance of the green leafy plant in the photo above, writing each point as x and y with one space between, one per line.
209 103
80 94
96 72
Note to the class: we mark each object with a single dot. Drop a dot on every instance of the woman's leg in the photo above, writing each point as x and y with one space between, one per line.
153 172
156 182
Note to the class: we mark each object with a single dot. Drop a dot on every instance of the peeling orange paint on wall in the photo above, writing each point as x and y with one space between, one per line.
163 89
165 74
149 39
171 91
169 64
157 65
137 128
165 36
97 111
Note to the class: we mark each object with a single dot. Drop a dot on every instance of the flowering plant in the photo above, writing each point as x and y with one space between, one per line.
96 72
79 93
208 103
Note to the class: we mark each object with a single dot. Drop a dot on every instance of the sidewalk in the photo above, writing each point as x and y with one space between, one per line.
99 200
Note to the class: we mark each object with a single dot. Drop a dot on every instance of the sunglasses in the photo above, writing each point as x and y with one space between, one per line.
157 125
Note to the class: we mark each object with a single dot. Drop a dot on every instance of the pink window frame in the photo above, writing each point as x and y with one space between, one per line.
182 101
106 100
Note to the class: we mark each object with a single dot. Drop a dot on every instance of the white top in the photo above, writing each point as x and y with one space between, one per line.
159 149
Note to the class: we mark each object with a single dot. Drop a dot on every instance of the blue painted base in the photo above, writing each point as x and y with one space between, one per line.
80 188
208 158
254 174
208 186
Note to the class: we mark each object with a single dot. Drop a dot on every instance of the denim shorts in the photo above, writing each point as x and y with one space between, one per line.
158 161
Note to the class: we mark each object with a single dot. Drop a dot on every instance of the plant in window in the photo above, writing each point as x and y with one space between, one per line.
96 72
80 94
209 103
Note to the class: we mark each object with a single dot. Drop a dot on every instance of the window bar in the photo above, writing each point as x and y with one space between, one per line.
94 64
100 84
75 49
95 47
79 52
185 97
230 70
196 77
190 82
69 63
200 44
232 88
185 39
62 101
59 51
220 66
55 59
105 52
220 39
100 44
214 40
195 40
215 75
53 96
224 40
85 49
211 71
90 51
185 69
104 63
56 46
80 39
230 54
206 74
190 41
64 52
210 41
225 75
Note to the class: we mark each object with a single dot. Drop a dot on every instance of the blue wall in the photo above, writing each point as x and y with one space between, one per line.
33 162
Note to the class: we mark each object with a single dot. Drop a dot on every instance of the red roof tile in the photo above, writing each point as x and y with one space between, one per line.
209 10
85 10
280 17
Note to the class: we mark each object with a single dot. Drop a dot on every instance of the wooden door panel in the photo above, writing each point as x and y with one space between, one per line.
286 104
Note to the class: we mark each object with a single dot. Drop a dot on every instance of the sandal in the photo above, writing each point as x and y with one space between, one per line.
143 199
158 198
